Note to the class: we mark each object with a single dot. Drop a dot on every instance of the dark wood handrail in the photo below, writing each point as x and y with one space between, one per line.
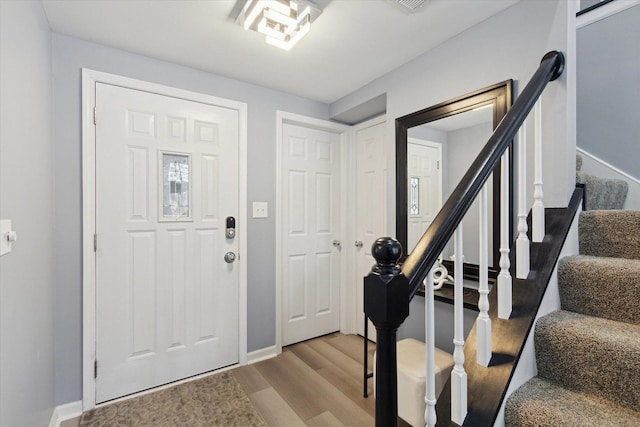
434 240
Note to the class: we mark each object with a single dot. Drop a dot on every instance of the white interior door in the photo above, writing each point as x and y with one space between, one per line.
371 207
166 179
310 226
424 187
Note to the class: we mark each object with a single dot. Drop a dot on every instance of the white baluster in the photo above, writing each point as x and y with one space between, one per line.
522 242
458 375
484 322
504 278
430 347
537 211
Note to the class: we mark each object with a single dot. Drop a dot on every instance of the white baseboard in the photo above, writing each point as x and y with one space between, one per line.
65 412
262 354
623 174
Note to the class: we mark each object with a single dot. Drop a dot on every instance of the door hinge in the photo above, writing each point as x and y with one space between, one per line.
95 242
438 164
95 114
95 369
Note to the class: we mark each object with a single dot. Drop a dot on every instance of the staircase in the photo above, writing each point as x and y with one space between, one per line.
588 353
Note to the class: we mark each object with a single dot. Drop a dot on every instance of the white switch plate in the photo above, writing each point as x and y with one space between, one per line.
260 210
5 228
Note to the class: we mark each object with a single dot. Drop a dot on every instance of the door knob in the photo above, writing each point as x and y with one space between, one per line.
337 243
229 257
359 244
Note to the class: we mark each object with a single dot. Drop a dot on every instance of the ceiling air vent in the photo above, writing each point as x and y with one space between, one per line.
409 6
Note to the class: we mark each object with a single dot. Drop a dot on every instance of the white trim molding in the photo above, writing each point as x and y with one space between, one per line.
346 212
604 11
65 412
89 80
262 354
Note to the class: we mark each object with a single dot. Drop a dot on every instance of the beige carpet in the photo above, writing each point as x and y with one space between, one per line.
217 400
588 353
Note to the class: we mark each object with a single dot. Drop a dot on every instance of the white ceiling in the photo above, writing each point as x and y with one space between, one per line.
350 44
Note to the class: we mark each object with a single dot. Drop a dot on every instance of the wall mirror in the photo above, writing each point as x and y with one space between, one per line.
434 148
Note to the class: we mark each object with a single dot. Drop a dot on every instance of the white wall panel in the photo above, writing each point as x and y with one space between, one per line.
141 275
138 183
176 315
297 274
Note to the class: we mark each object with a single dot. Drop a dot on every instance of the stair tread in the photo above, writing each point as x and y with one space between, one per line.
590 354
542 402
601 286
601 329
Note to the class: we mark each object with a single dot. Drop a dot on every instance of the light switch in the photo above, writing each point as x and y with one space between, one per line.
260 209
7 236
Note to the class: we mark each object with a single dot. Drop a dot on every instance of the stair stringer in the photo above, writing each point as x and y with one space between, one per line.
527 366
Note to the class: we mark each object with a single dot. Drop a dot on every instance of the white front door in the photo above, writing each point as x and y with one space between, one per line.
424 187
371 207
166 179
310 266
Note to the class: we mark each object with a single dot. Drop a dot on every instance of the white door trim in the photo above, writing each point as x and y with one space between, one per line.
355 316
89 80
282 117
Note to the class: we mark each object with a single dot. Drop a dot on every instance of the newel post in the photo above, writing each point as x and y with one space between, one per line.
386 303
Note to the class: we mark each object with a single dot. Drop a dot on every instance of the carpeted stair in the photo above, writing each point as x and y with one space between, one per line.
588 353
601 193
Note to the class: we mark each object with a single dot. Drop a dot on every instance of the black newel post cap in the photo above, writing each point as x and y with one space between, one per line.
386 289
387 251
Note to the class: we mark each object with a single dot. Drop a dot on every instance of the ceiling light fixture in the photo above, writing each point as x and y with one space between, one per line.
281 21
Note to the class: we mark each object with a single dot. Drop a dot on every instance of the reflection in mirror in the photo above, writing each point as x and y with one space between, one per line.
438 155
424 172
434 148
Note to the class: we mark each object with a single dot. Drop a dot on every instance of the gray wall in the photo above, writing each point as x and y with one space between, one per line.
509 45
463 146
69 56
26 279
608 95
588 3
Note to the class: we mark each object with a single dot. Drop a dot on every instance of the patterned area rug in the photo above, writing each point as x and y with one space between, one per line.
217 400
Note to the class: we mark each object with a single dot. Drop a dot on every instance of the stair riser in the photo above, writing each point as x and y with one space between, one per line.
603 193
601 287
543 403
582 362
610 234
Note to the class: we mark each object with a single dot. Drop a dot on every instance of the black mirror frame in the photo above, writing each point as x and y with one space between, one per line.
500 96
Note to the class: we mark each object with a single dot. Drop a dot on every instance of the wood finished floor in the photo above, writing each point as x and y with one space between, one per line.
312 383
316 383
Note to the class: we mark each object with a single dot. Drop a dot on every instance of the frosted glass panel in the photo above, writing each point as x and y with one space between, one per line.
414 200
176 190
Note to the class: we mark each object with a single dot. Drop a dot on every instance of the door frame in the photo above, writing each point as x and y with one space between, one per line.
355 316
89 80
346 212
